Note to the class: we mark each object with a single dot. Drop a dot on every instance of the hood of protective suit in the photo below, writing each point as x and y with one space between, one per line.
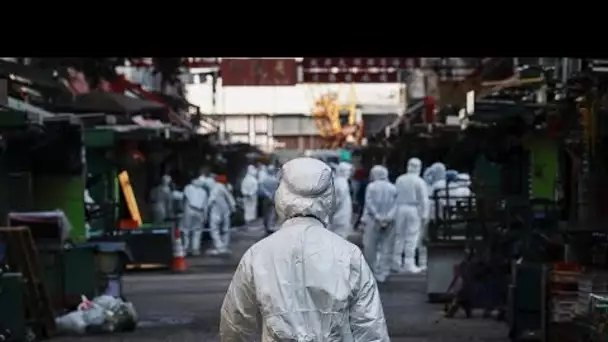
305 189
435 173
208 182
378 172
343 170
348 167
271 170
414 166
166 180
252 171
200 181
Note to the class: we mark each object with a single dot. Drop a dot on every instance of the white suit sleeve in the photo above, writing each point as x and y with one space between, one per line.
393 208
205 205
249 186
230 199
367 321
240 317
212 196
369 204
425 206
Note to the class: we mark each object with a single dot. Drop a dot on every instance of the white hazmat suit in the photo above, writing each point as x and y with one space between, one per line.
90 206
268 186
262 172
341 222
162 200
195 213
348 167
221 207
249 190
412 211
435 179
303 283
379 222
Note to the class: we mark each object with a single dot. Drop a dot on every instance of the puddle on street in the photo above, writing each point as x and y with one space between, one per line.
151 321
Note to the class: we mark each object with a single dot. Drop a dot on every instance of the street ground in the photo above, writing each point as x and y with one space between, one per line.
186 307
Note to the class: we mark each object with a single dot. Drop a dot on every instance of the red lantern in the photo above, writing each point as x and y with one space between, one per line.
429 109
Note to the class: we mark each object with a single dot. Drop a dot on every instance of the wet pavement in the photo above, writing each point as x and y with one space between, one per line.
185 307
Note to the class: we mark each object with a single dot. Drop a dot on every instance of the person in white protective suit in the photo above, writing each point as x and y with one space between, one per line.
350 171
221 207
249 190
268 186
412 212
348 167
162 200
194 215
434 176
90 207
342 219
379 222
303 283
262 172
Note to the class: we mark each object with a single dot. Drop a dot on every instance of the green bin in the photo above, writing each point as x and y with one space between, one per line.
68 274
12 312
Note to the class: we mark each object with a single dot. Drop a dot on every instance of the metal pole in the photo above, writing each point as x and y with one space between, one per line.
214 77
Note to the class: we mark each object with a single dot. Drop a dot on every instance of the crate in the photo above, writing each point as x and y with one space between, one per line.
562 317
561 306
565 277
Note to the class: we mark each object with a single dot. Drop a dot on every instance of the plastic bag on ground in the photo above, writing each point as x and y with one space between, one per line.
96 315
108 302
71 323
124 315
104 314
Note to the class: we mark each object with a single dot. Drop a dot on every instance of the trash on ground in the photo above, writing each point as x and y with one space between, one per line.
103 314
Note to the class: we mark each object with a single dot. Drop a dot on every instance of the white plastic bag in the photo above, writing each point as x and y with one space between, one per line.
108 302
71 323
120 315
94 316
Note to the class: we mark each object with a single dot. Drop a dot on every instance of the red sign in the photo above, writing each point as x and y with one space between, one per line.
190 62
358 62
349 77
258 72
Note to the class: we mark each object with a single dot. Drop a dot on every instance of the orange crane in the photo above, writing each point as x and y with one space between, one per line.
327 112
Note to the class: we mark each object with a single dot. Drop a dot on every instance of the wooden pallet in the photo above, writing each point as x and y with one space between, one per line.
22 255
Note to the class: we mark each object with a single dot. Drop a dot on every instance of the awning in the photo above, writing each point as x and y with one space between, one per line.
110 103
16 104
29 74
376 123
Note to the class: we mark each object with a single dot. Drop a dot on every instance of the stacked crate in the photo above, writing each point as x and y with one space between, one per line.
564 295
